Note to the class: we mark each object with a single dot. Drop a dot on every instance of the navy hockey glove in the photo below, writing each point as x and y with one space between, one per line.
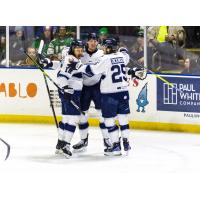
67 92
73 66
123 50
45 62
139 73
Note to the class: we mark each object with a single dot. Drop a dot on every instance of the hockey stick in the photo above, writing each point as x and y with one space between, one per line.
8 148
47 86
44 73
135 62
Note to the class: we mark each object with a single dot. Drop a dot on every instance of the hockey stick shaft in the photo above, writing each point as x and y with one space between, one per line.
8 148
51 103
44 73
47 86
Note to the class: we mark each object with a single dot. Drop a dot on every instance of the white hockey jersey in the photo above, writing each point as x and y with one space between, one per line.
113 67
74 81
91 59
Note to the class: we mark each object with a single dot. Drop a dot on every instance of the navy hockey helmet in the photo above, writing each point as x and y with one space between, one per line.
92 36
110 44
75 44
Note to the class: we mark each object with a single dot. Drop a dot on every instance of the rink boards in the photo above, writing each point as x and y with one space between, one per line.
154 104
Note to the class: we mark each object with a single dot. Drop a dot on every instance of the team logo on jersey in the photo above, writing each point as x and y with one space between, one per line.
142 100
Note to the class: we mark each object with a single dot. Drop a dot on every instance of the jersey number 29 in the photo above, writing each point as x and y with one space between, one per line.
119 73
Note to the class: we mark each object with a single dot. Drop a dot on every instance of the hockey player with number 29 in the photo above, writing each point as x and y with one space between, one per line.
114 92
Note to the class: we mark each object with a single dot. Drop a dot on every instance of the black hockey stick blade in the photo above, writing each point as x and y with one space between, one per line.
8 148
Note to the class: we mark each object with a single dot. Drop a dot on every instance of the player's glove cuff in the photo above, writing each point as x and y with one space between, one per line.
123 50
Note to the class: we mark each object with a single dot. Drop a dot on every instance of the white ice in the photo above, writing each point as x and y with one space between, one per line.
161 165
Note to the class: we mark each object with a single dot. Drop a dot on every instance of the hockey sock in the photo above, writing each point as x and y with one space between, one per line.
61 130
104 131
83 130
114 133
69 132
124 131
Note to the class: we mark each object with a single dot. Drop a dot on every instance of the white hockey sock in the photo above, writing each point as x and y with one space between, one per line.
114 133
125 131
61 130
83 130
69 132
60 134
104 131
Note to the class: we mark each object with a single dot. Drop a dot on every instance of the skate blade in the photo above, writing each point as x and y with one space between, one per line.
126 153
84 149
58 151
66 156
117 153
108 153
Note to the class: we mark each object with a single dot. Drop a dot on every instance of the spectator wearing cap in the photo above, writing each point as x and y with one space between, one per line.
17 46
56 46
103 34
137 51
46 36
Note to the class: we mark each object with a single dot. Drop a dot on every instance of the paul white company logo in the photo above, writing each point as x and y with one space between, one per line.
186 95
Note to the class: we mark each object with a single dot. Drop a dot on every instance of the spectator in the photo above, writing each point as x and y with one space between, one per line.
56 46
165 40
28 62
17 46
2 49
103 34
137 51
46 37
191 66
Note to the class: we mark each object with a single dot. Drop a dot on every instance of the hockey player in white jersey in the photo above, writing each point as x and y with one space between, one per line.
72 86
91 92
114 92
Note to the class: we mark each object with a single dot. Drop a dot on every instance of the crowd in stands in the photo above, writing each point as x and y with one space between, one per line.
165 44
27 38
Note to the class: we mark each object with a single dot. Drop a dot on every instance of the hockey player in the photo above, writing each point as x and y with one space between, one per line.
72 86
71 90
91 92
114 92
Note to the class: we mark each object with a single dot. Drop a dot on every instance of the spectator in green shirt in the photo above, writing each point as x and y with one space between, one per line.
47 36
56 46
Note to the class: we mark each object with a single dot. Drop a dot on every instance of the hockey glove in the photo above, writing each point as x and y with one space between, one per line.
123 50
139 73
45 62
67 92
73 66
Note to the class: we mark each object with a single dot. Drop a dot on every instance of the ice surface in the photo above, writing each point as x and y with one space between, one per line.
161 165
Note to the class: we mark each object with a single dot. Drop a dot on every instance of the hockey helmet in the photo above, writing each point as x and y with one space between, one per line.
75 44
110 45
92 36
